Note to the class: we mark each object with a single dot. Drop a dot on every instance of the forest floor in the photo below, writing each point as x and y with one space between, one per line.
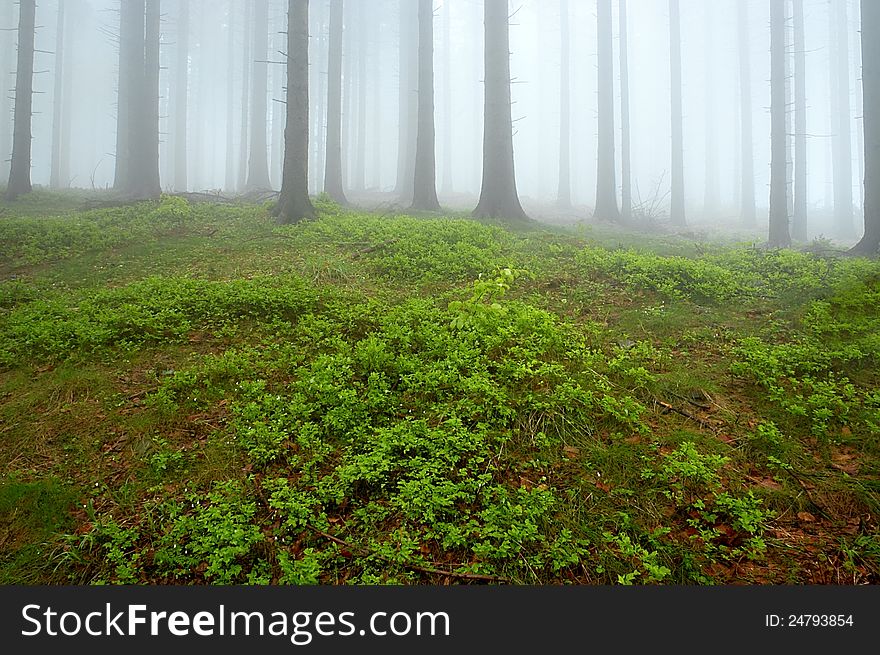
191 394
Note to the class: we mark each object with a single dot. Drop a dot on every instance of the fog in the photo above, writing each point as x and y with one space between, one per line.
217 141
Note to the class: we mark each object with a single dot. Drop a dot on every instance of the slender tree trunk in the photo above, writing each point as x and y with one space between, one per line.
245 96
860 130
789 112
360 158
606 183
131 71
294 204
625 140
408 103
7 64
230 110
498 196
318 80
180 93
67 96
870 21
376 101
710 192
677 211
779 234
799 217
20 171
842 140
145 181
747 184
258 164
333 184
447 188
563 196
58 102
278 109
425 186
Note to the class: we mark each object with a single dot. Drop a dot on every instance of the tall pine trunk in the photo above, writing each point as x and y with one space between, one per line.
447 188
563 195
498 196
20 170
245 97
294 204
799 216
333 182
425 181
842 140
710 192
870 21
677 211
7 68
180 94
360 158
258 159
748 213
606 182
779 234
625 135
408 100
59 103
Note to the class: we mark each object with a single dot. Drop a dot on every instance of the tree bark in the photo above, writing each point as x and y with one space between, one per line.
677 210
294 204
498 196
333 183
20 170
748 212
870 21
425 181
7 65
606 183
180 93
408 101
711 199
779 234
360 158
799 216
842 140
447 187
563 195
625 134
245 96
258 159
230 95
131 78
58 102
145 183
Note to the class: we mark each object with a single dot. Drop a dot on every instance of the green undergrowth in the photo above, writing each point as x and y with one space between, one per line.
368 399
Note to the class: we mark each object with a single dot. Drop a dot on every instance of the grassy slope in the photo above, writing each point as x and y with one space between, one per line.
190 394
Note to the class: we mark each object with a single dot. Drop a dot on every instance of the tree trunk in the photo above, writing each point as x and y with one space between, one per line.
842 140
258 161
20 171
145 182
245 96
870 20
318 83
563 195
294 204
425 181
860 131
333 184
799 216
376 84
447 188
606 183
677 211
710 192
779 234
7 65
180 93
230 95
498 196
625 140
59 102
747 155
408 101
131 72
360 158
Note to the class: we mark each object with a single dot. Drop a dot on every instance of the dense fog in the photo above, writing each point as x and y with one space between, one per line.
77 69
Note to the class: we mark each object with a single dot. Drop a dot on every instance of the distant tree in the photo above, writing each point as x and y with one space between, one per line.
258 159
230 96
841 141
181 86
447 186
59 104
677 211
779 229
7 67
20 170
425 179
710 191
870 21
408 100
333 182
359 174
625 138
243 150
294 204
606 183
747 171
799 215
563 196
498 196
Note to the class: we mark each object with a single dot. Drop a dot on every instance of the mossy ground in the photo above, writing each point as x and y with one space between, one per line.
191 394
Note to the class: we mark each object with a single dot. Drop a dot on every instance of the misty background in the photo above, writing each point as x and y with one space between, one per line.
219 44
